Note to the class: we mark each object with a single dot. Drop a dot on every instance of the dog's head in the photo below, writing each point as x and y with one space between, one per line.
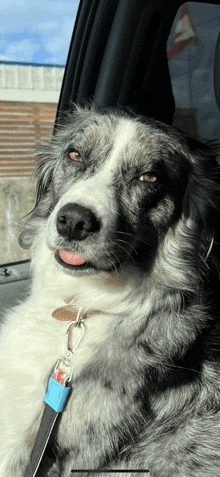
113 187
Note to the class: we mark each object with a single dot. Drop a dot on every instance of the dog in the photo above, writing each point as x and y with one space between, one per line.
126 236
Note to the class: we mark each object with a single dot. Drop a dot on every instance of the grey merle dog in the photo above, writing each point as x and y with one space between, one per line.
125 235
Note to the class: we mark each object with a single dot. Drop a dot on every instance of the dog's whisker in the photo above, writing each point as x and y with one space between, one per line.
112 261
136 237
126 251
131 246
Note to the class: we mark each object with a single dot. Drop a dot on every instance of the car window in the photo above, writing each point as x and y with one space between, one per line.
191 52
33 51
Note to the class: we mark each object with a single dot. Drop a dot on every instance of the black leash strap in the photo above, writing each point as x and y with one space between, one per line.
55 400
46 426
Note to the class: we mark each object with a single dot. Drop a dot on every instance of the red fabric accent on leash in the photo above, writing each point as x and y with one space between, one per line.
60 376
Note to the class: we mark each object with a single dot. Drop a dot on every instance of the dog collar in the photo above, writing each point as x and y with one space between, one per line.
67 313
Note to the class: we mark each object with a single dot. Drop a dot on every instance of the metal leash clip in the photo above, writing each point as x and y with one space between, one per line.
74 329
64 367
59 383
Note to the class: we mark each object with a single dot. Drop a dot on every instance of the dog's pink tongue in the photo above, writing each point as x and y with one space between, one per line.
72 258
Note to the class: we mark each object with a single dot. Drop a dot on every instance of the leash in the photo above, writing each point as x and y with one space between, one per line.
59 387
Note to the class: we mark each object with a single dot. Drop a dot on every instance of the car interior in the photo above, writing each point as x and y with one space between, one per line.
117 58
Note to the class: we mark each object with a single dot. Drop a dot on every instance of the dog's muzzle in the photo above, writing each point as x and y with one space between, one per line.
75 222
87 244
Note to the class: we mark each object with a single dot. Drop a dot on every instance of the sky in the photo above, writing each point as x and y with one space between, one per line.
36 31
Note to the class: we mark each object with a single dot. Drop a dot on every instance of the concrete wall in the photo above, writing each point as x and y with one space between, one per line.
17 198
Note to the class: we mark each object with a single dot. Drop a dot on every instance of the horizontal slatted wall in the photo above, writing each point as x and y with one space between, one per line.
23 126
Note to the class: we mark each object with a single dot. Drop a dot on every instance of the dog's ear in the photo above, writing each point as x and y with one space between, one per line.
43 175
44 172
201 203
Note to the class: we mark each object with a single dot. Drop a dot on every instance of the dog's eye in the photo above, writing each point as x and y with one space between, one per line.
148 178
75 156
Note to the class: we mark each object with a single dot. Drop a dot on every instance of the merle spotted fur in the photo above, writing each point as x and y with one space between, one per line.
148 397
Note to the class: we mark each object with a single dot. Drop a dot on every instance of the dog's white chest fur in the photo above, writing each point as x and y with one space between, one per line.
31 344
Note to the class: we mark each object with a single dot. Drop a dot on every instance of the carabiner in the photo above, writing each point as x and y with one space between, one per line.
72 331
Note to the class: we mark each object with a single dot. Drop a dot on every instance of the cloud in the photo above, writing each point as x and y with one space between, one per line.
28 14
4 58
56 39
22 50
36 31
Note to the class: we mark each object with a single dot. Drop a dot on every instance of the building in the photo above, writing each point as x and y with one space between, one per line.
29 94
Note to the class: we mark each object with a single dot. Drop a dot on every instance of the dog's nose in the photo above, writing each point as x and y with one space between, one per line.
76 222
